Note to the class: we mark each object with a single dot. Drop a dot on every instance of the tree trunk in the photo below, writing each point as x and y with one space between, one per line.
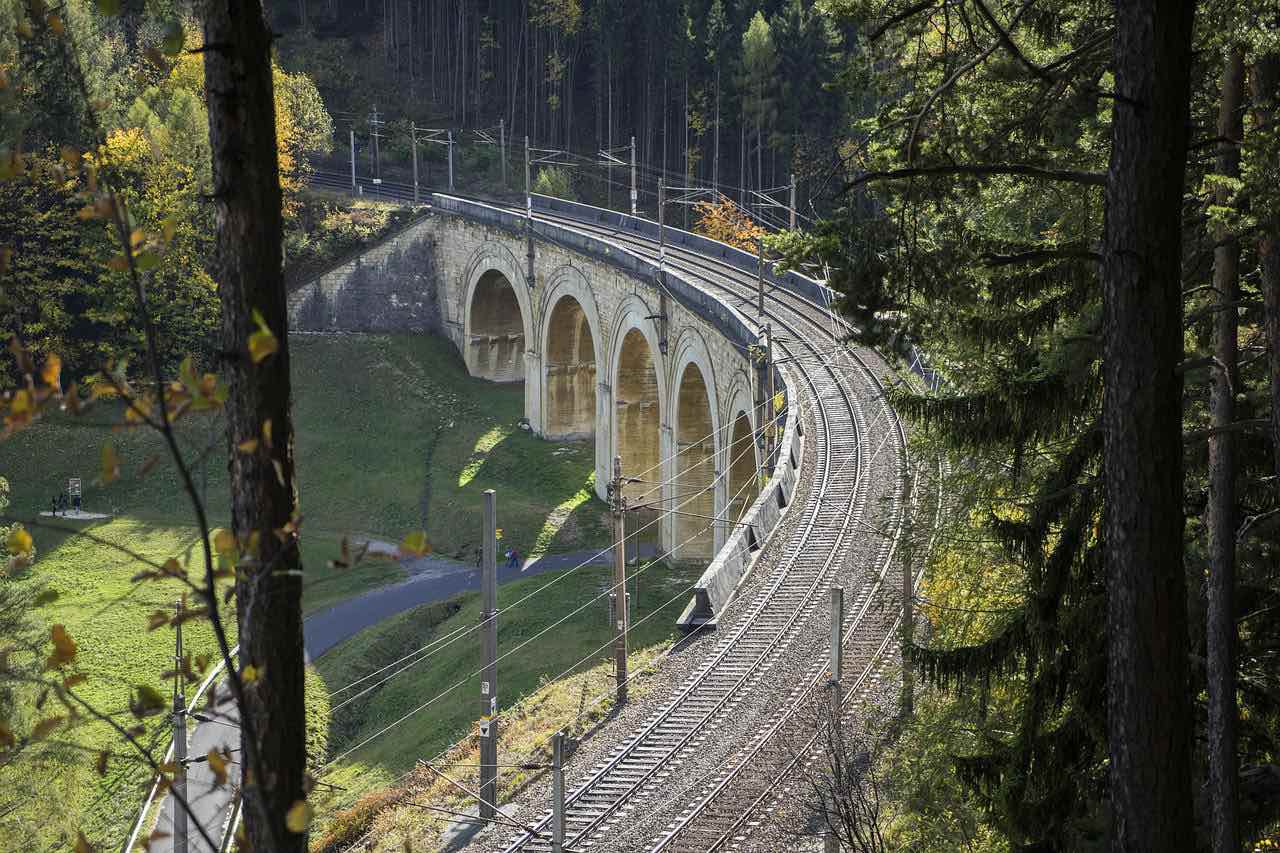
247 267
1221 633
1266 93
1148 693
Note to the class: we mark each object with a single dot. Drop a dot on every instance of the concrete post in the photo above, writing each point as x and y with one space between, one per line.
634 195
791 205
353 158
770 409
662 234
557 792
489 682
451 161
760 278
837 631
620 582
413 129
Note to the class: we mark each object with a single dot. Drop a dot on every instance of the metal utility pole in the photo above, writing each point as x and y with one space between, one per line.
502 150
837 631
413 130
760 278
620 614
634 195
771 434
451 161
489 680
179 744
374 124
557 792
662 233
791 205
353 158
528 197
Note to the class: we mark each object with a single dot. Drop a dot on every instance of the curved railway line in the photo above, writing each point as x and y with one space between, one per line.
837 386
773 649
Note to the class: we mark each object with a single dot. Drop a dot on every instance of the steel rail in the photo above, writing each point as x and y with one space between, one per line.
801 605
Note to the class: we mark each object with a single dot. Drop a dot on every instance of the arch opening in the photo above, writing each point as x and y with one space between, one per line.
571 372
743 484
695 467
495 349
639 426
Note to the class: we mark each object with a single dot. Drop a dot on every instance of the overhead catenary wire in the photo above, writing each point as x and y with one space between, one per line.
459 632
439 644
610 589
613 689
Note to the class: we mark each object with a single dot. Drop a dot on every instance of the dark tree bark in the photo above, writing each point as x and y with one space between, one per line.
1148 693
1266 92
246 190
1221 620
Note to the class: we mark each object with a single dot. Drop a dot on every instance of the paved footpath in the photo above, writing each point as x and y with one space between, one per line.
430 579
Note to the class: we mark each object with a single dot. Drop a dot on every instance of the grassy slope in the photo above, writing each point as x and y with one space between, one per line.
367 410
428 732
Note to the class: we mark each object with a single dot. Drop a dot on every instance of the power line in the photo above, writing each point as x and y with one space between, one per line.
507 654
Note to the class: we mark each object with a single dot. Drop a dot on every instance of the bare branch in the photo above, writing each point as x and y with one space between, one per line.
982 170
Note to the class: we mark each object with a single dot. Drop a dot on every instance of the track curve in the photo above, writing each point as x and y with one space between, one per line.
770 663
854 479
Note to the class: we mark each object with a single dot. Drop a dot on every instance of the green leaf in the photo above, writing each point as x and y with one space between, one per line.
147 701
108 7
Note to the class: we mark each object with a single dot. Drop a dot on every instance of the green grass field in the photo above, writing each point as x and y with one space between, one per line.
391 436
658 594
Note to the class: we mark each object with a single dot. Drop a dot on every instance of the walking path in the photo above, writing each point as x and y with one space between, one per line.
430 579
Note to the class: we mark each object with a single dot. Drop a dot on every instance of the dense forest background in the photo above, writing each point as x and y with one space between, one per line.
960 158
735 95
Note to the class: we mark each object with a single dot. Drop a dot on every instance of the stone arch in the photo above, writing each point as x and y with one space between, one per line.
496 315
741 452
571 346
639 385
697 485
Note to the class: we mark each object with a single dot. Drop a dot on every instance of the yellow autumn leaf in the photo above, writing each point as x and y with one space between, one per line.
51 373
249 445
110 464
45 727
224 541
19 541
299 816
218 764
250 674
415 544
64 648
262 343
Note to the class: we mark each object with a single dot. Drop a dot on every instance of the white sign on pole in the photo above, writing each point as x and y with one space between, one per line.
73 487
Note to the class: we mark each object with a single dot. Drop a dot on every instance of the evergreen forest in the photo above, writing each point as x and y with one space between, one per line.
1057 220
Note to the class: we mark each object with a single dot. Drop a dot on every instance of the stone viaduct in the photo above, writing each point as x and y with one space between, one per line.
648 366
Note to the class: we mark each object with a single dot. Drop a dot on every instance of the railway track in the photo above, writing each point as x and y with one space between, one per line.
651 781
852 473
